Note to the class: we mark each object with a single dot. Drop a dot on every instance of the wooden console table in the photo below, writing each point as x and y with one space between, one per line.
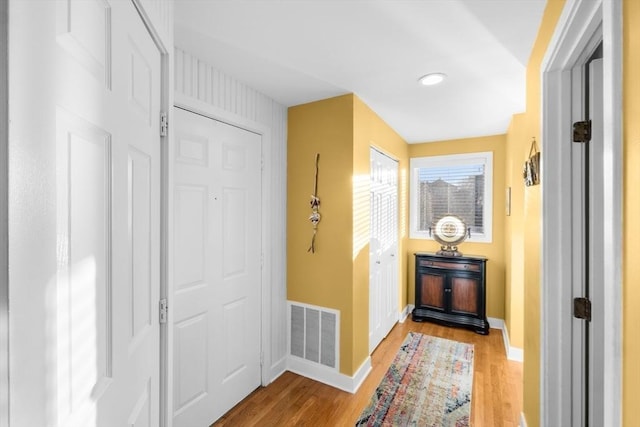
451 290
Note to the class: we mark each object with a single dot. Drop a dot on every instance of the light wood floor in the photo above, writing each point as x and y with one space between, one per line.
292 400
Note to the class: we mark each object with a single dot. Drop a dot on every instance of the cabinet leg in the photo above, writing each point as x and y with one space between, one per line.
483 331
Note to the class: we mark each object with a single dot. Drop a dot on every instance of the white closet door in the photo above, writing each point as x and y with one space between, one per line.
217 267
383 248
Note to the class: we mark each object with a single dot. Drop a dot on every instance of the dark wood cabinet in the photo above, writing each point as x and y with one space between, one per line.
451 290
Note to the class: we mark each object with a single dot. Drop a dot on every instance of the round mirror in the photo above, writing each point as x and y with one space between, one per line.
450 231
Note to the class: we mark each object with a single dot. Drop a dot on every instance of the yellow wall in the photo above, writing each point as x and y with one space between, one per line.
494 250
517 137
324 277
341 129
631 210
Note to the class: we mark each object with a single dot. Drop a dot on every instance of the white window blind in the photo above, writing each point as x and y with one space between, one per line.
452 185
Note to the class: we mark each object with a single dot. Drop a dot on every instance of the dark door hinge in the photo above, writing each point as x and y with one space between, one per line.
582 131
582 308
164 124
164 309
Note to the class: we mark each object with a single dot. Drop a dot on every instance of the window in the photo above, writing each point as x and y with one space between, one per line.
459 184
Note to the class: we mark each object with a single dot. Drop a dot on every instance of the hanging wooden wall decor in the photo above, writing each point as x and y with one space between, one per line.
315 205
531 171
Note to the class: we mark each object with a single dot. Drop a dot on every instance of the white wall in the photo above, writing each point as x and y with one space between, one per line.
199 82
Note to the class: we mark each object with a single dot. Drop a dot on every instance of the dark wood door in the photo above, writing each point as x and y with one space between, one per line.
464 294
432 291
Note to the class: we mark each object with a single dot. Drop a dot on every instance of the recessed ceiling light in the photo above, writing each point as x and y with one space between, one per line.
432 79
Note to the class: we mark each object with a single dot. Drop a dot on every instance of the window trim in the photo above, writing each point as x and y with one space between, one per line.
416 163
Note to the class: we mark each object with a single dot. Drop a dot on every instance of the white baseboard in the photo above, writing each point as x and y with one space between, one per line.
277 369
405 313
513 353
328 375
523 420
495 323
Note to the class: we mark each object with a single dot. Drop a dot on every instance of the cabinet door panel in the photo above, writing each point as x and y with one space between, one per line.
432 291
464 295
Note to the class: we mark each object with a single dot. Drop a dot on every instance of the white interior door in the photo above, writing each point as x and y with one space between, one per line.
217 267
101 340
108 217
383 248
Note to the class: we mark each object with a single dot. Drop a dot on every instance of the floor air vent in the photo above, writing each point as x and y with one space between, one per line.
314 333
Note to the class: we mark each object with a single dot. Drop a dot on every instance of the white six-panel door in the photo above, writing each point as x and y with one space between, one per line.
108 202
383 248
217 267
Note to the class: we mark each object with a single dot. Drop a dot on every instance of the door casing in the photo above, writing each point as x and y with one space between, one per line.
4 206
587 196
165 102
578 25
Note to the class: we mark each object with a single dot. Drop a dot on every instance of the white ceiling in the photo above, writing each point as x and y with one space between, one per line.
298 51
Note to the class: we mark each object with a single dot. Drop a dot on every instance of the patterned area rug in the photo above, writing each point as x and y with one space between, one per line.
429 383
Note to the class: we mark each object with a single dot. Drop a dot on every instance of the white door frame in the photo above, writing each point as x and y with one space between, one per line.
216 113
578 23
4 209
165 97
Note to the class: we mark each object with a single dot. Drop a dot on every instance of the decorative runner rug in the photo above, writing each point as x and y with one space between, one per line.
428 384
